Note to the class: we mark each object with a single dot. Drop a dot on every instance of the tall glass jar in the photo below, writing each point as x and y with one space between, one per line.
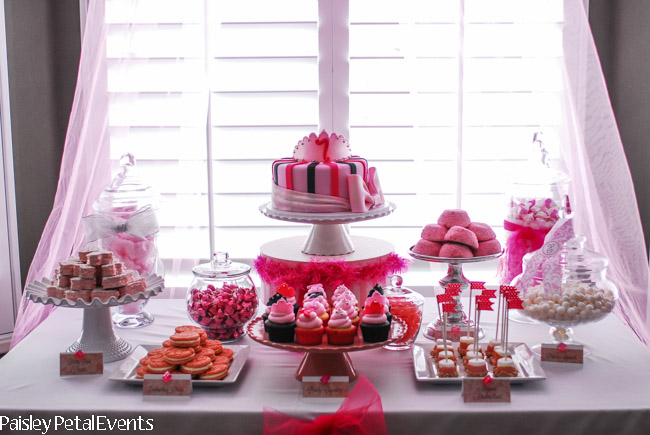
125 198
537 198
407 305
585 295
222 298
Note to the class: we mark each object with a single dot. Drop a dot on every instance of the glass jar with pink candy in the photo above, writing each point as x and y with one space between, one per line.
222 298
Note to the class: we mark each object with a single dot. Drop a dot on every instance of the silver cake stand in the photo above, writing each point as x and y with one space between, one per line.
328 235
97 333
454 276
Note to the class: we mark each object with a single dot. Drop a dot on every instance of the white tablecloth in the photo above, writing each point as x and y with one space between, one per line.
610 393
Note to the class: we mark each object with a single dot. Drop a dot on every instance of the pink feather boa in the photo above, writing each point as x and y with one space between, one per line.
330 274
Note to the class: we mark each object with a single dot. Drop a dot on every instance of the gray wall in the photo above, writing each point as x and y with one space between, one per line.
621 30
43 45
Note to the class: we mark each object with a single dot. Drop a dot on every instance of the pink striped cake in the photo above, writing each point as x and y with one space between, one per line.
323 177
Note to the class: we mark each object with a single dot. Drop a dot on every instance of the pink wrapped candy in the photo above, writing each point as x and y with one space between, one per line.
455 250
434 233
461 235
222 312
452 218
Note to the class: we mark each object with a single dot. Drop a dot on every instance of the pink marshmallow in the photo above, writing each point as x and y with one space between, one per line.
461 235
455 250
452 218
426 247
488 247
483 231
434 233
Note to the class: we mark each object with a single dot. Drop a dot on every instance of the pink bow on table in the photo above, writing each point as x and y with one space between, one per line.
360 413
363 197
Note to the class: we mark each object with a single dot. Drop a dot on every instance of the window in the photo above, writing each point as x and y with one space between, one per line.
442 97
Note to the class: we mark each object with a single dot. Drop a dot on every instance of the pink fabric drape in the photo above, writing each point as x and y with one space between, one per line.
85 168
602 195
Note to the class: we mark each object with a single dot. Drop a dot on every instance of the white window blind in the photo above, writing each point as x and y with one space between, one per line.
443 99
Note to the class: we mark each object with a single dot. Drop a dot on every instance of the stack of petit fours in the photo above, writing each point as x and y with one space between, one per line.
188 351
94 274
456 236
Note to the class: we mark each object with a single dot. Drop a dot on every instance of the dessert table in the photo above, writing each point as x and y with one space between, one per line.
610 393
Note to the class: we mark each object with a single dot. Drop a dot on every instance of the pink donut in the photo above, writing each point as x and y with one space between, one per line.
488 247
455 250
452 218
427 247
434 233
483 231
461 235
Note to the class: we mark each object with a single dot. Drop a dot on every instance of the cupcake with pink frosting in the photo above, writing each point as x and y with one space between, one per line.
340 330
348 305
374 325
309 328
281 322
290 295
318 307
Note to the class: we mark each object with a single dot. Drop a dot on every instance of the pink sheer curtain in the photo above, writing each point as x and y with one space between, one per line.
603 196
85 168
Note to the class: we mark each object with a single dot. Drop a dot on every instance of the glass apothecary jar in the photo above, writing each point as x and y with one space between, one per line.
407 305
222 298
537 198
585 294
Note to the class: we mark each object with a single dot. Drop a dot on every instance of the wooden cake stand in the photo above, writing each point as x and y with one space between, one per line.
325 359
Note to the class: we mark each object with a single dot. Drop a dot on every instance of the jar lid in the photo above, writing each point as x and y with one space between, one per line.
126 192
537 171
396 291
221 267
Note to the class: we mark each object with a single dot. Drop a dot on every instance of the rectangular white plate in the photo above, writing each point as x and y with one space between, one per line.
426 370
126 371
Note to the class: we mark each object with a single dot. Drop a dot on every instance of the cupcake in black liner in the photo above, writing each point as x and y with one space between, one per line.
273 299
281 322
290 295
374 325
377 293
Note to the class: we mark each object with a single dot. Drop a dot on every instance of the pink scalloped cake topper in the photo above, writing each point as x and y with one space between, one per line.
322 148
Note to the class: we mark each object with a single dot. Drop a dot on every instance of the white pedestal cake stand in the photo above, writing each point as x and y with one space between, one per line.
328 235
454 275
97 334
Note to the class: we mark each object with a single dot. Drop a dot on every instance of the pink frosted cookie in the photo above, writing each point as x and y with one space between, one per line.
77 283
81 294
461 235
55 292
136 286
426 247
488 247
452 218
118 280
483 231
455 250
434 233
104 295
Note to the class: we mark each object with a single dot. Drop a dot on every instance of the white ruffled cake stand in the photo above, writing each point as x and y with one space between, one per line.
97 333
328 235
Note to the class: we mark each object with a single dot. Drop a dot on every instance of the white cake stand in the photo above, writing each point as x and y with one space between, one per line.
97 334
328 235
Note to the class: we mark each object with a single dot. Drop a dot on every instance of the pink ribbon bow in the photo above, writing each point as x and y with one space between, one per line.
363 197
360 413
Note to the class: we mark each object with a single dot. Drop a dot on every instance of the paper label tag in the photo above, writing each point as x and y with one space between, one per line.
476 390
325 386
177 387
569 353
73 364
